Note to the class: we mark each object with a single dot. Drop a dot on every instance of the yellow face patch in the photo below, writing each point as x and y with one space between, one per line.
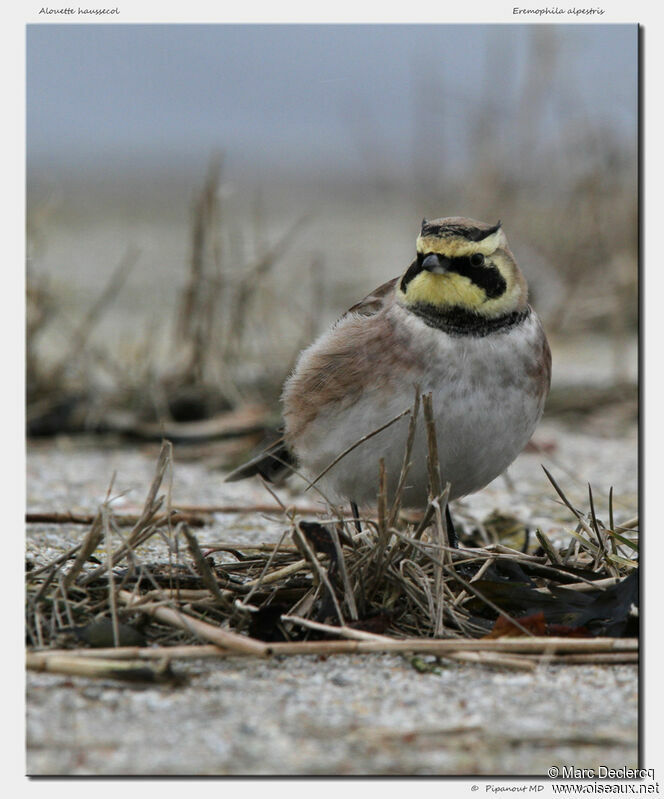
443 290
452 289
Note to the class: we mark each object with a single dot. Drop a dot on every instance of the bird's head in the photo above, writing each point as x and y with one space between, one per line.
464 265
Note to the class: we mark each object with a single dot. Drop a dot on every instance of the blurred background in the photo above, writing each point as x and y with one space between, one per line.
203 200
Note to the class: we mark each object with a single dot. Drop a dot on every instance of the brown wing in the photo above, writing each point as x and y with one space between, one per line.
336 373
376 301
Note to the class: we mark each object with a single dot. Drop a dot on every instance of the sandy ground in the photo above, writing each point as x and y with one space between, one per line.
345 715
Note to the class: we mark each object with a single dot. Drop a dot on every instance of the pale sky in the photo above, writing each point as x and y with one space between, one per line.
280 96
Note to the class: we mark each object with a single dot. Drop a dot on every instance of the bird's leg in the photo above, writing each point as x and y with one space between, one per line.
356 515
526 540
361 600
451 532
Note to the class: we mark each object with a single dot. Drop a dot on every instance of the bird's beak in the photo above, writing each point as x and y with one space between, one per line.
437 264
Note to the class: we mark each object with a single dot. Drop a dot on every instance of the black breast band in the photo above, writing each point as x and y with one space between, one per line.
457 321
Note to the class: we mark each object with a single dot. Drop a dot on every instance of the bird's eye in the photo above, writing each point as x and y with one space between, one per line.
477 259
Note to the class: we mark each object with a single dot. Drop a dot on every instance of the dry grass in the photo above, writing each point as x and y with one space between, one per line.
378 583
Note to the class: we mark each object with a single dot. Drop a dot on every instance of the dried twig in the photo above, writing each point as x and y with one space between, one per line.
202 565
433 463
91 541
225 638
494 659
144 526
405 466
572 650
431 646
315 563
342 632
113 669
121 519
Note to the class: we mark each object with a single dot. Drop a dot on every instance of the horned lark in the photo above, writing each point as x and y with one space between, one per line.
457 324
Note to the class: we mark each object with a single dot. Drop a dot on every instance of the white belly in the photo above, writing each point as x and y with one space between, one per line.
486 405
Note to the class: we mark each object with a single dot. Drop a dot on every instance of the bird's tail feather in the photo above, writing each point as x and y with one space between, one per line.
274 464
